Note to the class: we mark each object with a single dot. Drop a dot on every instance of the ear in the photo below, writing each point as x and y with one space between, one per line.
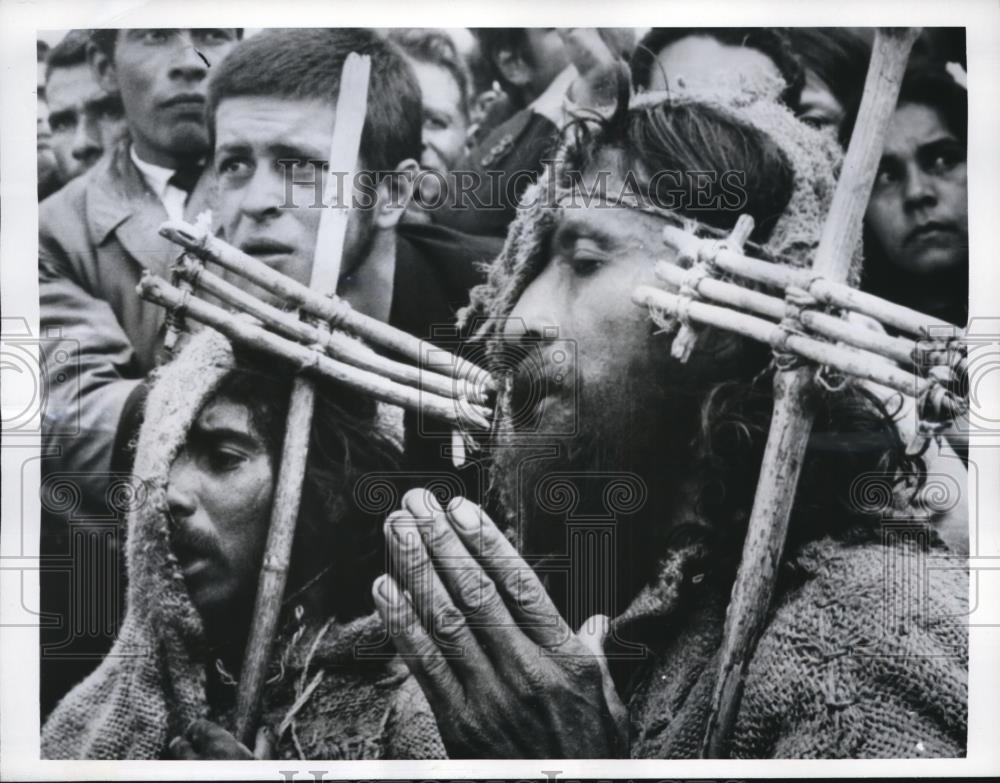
513 67
394 194
102 67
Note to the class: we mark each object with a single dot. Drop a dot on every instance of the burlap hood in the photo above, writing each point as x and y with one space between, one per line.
151 684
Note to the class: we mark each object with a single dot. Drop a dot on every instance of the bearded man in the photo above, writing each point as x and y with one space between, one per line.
845 667
207 457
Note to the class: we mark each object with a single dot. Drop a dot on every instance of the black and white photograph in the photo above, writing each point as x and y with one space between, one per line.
480 401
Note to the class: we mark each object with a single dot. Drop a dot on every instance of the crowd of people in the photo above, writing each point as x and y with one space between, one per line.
516 201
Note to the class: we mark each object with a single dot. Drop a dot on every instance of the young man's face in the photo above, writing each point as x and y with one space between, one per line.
85 120
445 124
701 60
161 76
919 209
264 153
219 497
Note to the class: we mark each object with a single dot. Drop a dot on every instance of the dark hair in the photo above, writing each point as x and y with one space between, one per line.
492 41
770 41
69 52
106 38
306 63
337 543
41 50
436 48
857 471
929 84
689 139
838 56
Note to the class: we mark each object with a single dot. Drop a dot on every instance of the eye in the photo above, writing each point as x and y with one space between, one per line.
224 460
887 177
945 161
234 167
155 36
435 122
585 257
213 36
61 122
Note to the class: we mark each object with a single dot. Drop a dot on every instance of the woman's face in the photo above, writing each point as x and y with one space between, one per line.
919 210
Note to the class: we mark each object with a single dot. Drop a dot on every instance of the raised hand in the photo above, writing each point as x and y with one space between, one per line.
504 674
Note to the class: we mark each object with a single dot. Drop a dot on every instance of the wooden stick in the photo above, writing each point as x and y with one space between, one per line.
304 359
860 364
335 343
824 290
792 419
897 349
352 103
332 309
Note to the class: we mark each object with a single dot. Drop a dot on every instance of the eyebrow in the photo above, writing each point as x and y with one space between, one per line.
107 103
947 141
279 151
573 227
200 434
63 114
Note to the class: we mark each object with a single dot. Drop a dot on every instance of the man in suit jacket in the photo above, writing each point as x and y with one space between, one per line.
96 237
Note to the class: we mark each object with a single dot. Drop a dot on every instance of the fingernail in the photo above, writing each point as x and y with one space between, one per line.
382 588
465 515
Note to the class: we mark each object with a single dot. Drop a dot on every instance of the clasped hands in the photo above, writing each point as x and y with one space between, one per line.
503 673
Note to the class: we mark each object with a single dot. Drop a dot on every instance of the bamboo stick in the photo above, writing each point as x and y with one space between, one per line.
897 349
335 343
332 309
792 418
310 361
824 290
859 364
351 109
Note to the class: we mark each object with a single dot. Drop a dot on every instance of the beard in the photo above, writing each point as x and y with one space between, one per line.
593 509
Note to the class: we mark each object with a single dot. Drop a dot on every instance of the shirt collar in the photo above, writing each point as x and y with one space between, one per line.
157 177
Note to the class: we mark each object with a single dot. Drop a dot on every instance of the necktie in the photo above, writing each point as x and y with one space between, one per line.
185 178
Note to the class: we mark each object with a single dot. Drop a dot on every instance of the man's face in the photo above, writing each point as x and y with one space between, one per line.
919 210
47 168
701 60
626 403
264 153
85 120
445 124
219 497
161 76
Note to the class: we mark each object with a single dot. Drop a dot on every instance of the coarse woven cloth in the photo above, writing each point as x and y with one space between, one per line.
864 655
151 685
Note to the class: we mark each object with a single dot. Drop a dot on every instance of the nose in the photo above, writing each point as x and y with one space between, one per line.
919 188
182 488
533 317
87 146
263 196
189 64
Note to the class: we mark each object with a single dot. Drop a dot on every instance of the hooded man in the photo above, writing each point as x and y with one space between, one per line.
207 458
626 477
